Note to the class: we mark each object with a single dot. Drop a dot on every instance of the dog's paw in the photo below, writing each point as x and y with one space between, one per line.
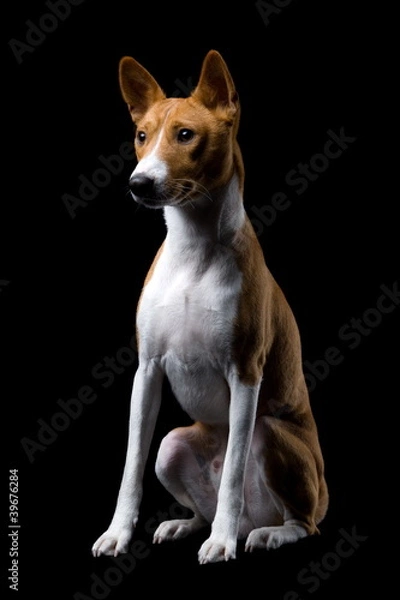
269 538
215 550
265 538
113 542
175 529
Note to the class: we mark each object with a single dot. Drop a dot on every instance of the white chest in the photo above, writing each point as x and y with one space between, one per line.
185 321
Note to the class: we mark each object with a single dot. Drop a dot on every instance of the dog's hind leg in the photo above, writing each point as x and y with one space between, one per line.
189 465
293 474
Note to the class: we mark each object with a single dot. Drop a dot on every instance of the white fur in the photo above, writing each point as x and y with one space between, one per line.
187 312
151 165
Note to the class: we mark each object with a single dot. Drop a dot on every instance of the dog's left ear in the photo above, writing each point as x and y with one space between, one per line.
216 88
139 89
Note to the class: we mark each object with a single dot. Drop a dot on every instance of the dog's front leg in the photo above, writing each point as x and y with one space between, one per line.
221 545
145 404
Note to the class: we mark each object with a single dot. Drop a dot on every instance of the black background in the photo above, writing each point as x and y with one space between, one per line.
70 286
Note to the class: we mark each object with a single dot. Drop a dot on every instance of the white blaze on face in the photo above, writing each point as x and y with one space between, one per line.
151 165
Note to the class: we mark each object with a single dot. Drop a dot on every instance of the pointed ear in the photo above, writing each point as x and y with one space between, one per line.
139 89
216 87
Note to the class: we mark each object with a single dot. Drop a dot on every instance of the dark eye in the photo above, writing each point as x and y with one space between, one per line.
141 137
185 135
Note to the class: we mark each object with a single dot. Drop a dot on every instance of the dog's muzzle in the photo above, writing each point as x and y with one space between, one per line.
152 193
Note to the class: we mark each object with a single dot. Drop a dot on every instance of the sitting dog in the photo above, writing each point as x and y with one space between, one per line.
213 320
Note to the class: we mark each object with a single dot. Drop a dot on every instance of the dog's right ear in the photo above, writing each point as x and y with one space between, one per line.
139 89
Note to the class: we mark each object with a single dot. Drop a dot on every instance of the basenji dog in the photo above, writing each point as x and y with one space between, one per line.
212 319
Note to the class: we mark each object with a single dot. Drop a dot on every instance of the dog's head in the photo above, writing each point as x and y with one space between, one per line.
184 146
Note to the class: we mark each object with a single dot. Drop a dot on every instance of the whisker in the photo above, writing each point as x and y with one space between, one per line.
205 193
201 189
127 190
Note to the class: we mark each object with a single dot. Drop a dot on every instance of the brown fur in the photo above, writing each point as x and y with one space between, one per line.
267 346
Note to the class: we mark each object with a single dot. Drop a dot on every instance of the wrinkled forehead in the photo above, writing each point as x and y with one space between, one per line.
180 112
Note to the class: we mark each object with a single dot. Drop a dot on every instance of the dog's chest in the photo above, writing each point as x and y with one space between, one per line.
186 321
190 307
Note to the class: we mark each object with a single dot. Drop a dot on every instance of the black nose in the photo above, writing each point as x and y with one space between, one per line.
142 186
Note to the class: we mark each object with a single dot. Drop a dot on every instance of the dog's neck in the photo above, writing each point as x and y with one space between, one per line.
212 221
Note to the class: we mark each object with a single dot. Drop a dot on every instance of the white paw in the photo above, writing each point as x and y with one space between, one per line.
214 550
269 538
266 538
113 542
175 529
